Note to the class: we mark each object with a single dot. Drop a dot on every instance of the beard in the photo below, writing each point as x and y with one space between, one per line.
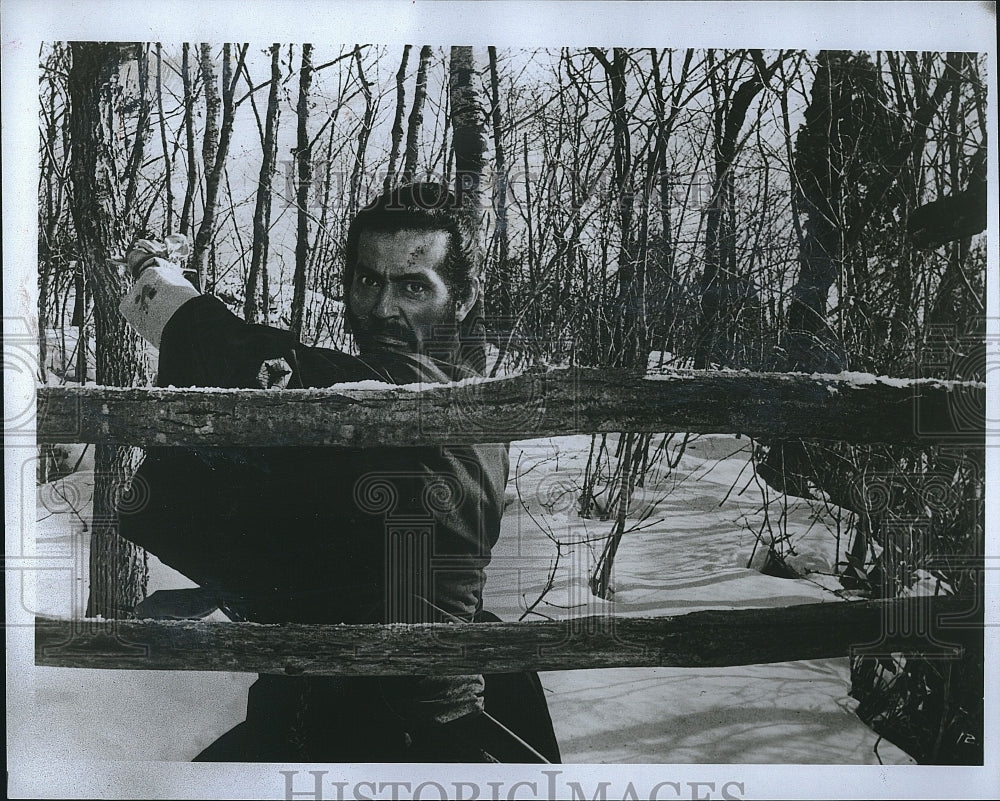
374 336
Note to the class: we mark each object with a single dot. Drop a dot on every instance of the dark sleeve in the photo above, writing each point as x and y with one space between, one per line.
206 345
222 515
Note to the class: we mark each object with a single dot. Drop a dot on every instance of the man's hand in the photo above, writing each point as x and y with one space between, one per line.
143 252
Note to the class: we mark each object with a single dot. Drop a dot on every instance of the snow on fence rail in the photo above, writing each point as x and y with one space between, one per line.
940 626
850 407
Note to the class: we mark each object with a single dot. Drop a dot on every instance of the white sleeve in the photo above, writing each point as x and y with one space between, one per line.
157 293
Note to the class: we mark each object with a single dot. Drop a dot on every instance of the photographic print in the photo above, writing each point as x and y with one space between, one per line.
568 407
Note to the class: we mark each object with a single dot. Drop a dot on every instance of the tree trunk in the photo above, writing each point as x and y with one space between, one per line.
896 161
530 255
134 164
500 202
118 571
663 282
446 153
416 117
168 203
468 144
600 581
187 210
215 149
397 121
323 264
947 305
209 148
363 133
81 315
721 285
467 127
821 248
262 209
628 346
303 159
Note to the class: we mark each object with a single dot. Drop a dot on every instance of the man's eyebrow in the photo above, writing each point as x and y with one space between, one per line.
421 276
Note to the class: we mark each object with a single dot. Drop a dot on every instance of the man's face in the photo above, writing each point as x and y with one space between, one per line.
398 295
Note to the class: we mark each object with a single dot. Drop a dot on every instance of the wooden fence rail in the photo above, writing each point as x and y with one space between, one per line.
848 407
936 626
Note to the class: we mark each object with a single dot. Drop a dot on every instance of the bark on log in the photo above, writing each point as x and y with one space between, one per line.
941 626
846 407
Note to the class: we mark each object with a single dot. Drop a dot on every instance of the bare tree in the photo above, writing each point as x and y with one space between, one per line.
215 150
209 149
468 123
364 132
134 163
416 118
52 199
168 201
467 126
253 309
500 194
187 210
722 286
628 339
663 283
303 160
118 571
397 120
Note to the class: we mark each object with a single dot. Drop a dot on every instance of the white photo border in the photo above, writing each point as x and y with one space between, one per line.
967 26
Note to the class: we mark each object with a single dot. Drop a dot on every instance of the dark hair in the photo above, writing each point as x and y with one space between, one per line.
421 207
428 206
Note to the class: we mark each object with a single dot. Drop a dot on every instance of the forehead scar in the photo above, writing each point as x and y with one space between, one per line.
417 251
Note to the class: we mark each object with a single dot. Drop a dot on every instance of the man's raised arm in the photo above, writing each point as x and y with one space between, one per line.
202 343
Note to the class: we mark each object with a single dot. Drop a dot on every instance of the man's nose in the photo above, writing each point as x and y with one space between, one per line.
385 307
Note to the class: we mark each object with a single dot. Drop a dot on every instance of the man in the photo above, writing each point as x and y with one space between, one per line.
331 535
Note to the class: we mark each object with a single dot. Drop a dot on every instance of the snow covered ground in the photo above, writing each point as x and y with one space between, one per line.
692 554
693 557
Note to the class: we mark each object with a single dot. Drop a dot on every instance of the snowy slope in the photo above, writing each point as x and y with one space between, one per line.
695 558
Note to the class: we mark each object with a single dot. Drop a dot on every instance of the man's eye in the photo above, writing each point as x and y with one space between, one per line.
367 280
415 288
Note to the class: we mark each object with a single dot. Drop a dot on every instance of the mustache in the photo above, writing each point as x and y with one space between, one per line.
388 329
365 328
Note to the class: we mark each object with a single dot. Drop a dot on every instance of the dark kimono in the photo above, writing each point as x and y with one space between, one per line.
336 535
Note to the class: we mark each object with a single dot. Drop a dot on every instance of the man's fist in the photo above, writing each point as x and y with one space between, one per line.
143 252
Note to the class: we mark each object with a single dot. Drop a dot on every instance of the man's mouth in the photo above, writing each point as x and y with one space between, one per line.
390 342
